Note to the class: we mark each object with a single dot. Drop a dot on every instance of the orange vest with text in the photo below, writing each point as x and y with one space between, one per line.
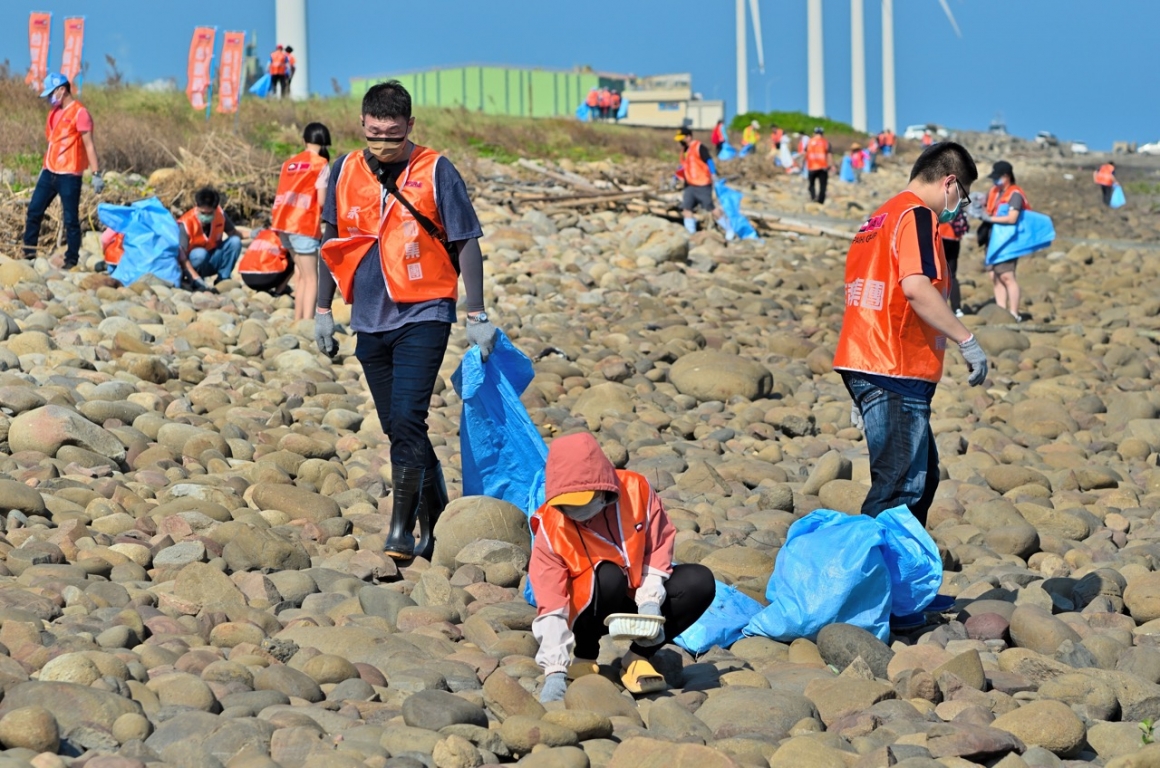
265 256
697 173
998 196
115 250
196 232
1105 176
881 334
278 63
66 151
582 549
296 210
415 265
817 154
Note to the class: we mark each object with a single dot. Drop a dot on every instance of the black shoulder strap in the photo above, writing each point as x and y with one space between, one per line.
392 189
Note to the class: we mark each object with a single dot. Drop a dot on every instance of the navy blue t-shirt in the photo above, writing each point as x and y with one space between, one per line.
372 309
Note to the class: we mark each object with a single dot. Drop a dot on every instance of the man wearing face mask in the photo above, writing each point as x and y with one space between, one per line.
897 322
397 226
603 545
699 172
209 241
69 131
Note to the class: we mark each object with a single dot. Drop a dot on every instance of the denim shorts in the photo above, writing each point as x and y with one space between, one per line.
303 245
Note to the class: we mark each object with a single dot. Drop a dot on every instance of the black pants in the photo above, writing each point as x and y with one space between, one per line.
401 367
279 84
48 186
689 593
822 178
268 283
1107 193
717 147
951 249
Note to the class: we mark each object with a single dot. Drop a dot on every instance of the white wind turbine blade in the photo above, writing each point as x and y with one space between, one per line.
950 16
755 11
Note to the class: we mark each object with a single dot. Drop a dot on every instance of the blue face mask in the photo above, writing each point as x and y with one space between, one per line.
948 214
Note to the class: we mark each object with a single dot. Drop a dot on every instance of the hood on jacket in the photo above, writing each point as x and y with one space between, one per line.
576 463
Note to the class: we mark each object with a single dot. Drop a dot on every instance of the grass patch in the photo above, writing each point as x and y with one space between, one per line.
792 122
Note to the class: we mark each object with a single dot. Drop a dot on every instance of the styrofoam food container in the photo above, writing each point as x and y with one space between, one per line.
633 626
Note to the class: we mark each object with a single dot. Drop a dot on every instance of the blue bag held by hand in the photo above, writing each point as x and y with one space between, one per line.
847 171
722 624
727 152
730 200
1118 200
261 86
1032 232
151 240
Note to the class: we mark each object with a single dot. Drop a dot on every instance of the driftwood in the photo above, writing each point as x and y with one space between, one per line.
562 176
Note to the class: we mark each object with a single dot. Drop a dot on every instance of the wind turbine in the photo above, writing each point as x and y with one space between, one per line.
889 110
743 53
817 72
290 27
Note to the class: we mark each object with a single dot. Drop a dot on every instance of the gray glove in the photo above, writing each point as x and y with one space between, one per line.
554 686
98 183
987 218
324 334
856 417
976 360
481 335
199 285
651 609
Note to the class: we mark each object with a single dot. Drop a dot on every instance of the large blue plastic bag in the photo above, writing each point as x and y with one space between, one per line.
151 240
1032 232
502 453
831 569
723 623
584 112
727 152
261 86
1118 200
730 201
622 112
846 173
913 560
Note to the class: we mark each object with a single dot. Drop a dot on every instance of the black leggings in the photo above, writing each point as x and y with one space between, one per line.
1106 191
689 593
951 249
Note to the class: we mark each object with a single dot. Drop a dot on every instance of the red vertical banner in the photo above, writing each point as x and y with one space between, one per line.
74 43
230 72
39 29
200 59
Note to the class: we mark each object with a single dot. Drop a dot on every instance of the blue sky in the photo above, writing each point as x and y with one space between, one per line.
1045 64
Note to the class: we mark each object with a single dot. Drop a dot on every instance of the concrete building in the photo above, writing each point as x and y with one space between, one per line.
668 101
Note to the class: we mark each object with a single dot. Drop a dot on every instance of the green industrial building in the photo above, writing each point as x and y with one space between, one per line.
498 90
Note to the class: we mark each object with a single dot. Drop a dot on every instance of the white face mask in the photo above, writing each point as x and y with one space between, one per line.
586 512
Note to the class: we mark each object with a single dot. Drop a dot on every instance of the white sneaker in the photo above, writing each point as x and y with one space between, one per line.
958 313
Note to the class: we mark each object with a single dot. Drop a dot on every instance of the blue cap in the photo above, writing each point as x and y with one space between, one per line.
52 82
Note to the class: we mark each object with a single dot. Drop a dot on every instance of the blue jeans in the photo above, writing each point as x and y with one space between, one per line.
221 259
401 366
903 454
48 186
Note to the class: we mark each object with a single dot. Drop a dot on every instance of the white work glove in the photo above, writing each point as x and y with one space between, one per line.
554 686
856 417
976 360
324 334
651 609
482 335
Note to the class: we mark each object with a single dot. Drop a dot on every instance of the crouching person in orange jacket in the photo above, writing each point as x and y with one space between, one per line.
604 546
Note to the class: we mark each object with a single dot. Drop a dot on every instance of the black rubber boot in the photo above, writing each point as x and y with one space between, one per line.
407 497
434 502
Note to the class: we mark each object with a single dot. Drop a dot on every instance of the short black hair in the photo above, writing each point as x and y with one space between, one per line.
944 159
289 49
207 197
389 99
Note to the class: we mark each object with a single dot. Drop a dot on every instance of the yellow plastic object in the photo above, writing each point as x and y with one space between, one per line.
639 676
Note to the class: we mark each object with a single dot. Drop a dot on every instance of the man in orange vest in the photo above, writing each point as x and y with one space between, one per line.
266 266
291 65
1105 177
818 162
699 172
69 131
279 76
394 248
603 545
209 241
895 330
593 104
614 106
604 101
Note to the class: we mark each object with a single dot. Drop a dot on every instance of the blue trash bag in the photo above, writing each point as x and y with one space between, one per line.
747 149
913 560
261 86
727 152
622 113
583 113
1032 232
846 173
1118 200
723 623
831 569
730 200
151 240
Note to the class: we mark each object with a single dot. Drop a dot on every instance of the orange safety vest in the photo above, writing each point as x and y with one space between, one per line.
881 334
817 154
593 98
615 100
115 250
66 152
196 232
1105 176
604 99
697 173
278 63
582 549
995 199
265 256
927 140
415 265
296 209
776 137
947 232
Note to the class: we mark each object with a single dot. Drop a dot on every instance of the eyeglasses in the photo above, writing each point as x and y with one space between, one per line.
963 194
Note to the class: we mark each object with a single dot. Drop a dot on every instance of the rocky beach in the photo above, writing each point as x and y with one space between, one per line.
194 502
